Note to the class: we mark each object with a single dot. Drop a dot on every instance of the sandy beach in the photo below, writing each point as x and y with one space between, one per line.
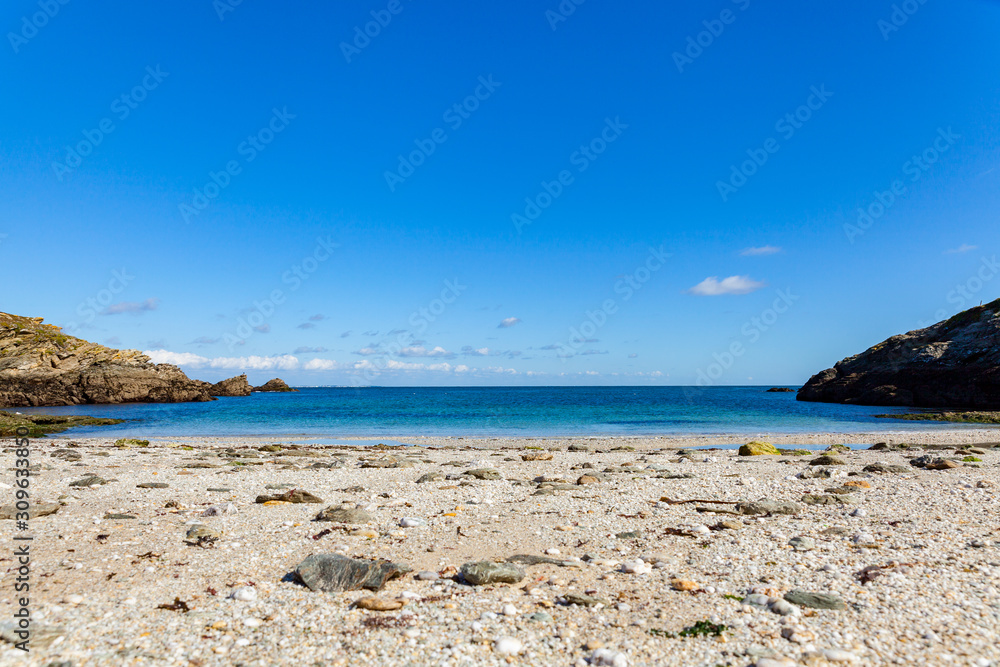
168 554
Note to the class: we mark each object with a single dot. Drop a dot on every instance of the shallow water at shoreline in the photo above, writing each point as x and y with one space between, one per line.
337 412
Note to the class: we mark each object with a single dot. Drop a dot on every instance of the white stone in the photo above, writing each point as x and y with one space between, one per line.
509 610
244 594
411 522
839 655
507 646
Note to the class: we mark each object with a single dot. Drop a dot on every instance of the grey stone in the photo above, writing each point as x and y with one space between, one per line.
344 515
585 600
828 460
486 572
484 473
768 507
430 477
802 543
89 480
152 485
294 496
335 573
815 600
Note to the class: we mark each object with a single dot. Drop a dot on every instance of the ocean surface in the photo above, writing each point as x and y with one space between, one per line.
493 411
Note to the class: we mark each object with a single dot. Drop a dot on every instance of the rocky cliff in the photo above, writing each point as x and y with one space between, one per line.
40 365
952 364
235 386
277 384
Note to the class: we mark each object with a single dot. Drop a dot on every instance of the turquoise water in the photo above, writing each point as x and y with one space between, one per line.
484 411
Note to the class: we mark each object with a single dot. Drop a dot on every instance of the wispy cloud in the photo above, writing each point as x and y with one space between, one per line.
419 351
509 322
762 250
965 247
732 285
306 325
346 334
201 340
132 307
309 350
317 317
263 328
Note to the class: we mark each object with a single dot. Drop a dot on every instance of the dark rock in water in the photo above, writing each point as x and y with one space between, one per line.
41 365
294 496
344 515
484 473
827 460
486 572
277 384
952 364
885 468
36 510
152 485
815 600
234 386
335 573
780 390
768 507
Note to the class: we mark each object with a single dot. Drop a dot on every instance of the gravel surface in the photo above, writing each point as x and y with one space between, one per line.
845 566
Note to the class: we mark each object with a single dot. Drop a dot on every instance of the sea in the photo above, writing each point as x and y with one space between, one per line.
493 411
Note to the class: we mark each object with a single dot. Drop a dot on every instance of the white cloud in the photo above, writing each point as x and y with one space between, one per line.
322 365
965 247
763 250
367 351
509 322
731 285
285 362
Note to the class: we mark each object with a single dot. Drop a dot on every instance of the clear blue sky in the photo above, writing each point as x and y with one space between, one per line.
634 128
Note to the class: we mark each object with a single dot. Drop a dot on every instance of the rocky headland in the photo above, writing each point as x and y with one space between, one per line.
40 365
277 384
952 364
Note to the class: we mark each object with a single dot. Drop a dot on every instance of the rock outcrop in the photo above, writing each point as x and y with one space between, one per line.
277 384
40 365
952 364
235 386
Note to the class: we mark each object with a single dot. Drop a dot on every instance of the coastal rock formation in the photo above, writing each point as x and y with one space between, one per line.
952 364
40 365
277 384
235 386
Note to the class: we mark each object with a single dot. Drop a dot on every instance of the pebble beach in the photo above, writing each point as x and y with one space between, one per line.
546 551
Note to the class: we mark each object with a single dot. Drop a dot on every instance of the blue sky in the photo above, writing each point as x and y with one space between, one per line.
628 193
